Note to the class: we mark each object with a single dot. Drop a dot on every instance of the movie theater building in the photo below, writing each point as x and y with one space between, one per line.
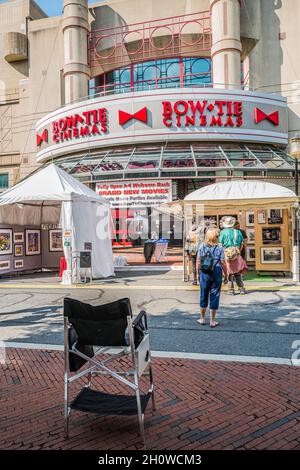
146 101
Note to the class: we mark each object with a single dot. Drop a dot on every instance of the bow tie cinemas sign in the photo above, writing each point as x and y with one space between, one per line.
173 115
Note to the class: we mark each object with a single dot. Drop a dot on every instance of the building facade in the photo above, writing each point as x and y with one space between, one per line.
147 101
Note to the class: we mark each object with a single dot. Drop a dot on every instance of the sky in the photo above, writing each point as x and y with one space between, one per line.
51 7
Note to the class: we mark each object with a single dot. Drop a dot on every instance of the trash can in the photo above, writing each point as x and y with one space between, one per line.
149 247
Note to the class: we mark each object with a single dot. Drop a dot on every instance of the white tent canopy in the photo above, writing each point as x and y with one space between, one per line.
49 184
242 193
53 196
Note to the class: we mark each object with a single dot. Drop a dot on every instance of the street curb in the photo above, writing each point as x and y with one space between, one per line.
119 285
175 355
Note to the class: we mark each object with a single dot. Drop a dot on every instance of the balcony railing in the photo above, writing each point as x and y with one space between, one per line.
129 43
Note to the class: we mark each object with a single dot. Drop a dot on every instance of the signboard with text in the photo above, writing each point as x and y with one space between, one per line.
163 115
136 193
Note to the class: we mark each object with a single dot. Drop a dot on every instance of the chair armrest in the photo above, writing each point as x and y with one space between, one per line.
140 327
139 319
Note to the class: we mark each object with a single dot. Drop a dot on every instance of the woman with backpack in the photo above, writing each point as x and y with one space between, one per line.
211 263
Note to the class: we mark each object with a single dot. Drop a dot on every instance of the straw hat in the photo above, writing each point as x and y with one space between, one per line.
228 222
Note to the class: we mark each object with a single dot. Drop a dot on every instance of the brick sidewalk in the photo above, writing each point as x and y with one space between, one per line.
200 405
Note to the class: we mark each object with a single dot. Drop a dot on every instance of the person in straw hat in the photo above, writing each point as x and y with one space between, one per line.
191 248
232 242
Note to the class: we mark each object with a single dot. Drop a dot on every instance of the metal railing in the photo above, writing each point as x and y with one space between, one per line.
176 34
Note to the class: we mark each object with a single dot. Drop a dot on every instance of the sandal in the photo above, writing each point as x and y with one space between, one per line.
214 325
201 321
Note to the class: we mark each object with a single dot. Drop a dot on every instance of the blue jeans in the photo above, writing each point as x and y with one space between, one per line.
210 288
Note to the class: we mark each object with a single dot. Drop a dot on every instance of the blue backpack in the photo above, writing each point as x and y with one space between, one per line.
207 261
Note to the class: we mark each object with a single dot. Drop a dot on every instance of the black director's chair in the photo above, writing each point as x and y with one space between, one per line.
96 337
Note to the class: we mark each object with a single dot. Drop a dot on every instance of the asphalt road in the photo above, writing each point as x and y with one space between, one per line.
260 323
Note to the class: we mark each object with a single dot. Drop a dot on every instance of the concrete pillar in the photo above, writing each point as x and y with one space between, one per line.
75 31
226 43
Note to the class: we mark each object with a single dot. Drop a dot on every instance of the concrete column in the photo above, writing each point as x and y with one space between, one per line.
226 43
75 31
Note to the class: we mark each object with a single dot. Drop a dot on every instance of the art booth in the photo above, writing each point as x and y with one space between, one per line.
49 216
266 211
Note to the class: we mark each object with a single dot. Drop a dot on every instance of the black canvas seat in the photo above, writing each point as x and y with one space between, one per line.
95 337
108 404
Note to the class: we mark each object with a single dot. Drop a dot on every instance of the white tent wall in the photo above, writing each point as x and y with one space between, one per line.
89 222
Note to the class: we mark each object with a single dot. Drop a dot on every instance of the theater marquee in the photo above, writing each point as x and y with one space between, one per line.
163 115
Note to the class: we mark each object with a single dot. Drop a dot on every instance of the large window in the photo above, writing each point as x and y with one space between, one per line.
3 181
162 73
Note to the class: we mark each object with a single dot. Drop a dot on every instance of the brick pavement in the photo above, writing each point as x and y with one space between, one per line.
200 405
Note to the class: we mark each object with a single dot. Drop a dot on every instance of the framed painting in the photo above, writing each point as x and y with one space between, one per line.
250 253
271 236
18 237
55 240
272 255
275 216
18 263
261 216
250 219
4 265
33 242
6 243
18 250
250 232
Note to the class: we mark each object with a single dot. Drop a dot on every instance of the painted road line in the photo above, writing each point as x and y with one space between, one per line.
150 268
119 286
174 355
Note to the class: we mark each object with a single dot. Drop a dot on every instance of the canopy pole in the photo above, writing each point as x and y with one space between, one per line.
184 253
296 246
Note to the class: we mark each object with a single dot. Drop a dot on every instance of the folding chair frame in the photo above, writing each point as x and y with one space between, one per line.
96 367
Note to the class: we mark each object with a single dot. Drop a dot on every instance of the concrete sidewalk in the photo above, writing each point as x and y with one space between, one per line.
200 405
140 277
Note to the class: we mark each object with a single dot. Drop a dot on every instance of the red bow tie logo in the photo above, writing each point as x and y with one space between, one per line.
42 138
261 116
140 115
